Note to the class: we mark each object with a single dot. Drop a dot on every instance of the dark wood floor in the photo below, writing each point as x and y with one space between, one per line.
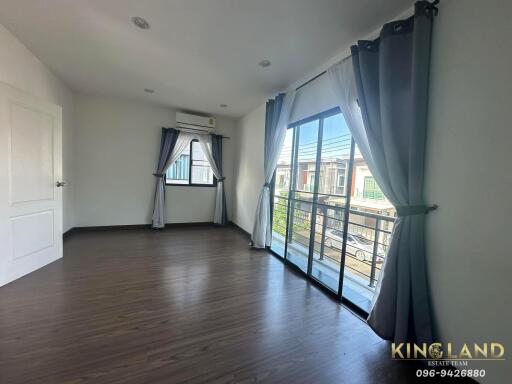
188 305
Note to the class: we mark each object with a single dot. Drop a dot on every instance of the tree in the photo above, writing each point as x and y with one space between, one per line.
301 220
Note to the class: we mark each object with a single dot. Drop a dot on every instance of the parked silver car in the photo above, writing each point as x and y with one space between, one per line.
357 245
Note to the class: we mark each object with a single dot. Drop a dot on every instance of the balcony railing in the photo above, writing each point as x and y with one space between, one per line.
367 239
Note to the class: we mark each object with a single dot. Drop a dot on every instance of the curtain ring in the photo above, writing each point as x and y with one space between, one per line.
431 8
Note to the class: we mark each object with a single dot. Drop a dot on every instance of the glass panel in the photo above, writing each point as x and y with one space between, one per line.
201 174
281 190
201 170
334 166
322 213
369 233
335 159
178 172
301 207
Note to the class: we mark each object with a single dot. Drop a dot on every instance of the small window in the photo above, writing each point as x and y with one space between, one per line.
341 179
191 168
371 189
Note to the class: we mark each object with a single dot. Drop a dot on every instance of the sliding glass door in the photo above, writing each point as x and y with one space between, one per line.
302 193
331 208
280 192
330 219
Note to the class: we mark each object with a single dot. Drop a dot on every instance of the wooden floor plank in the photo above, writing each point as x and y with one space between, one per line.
183 305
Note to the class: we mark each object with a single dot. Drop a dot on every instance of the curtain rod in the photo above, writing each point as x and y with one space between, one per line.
311 80
319 75
433 8
200 130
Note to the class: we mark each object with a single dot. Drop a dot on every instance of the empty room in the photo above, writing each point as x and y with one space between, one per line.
255 191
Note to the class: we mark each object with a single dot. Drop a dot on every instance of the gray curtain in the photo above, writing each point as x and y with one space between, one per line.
392 75
221 214
276 123
167 144
212 149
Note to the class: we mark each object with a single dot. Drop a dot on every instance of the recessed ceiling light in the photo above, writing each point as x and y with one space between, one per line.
149 90
264 63
223 105
140 22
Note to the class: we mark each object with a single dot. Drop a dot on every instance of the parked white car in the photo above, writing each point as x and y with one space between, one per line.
357 245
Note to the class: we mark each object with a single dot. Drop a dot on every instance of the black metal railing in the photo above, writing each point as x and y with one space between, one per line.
370 232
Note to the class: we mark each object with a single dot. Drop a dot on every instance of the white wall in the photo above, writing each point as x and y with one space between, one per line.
249 177
21 69
117 144
468 173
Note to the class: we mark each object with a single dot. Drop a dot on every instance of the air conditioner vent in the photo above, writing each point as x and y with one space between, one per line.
196 123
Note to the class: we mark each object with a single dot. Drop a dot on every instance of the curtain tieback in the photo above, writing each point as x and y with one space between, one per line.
161 175
221 179
411 210
266 185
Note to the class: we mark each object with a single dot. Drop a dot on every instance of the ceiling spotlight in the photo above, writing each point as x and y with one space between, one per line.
264 63
140 22
149 90
223 105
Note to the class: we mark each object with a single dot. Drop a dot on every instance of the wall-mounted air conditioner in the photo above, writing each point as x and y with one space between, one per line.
194 123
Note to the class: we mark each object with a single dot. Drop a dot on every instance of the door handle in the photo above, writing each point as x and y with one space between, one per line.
60 183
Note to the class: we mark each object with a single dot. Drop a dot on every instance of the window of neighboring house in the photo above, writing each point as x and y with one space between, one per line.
371 189
191 168
311 183
281 181
341 178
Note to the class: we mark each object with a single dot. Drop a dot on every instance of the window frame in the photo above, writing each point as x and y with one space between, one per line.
190 165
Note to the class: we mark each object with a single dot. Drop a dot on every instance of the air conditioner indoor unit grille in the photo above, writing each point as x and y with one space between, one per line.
196 123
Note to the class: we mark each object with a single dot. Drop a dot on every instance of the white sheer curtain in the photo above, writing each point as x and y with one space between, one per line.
341 76
183 143
276 126
342 79
158 218
206 145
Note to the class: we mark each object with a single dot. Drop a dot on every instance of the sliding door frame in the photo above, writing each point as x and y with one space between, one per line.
348 194
296 130
296 126
314 204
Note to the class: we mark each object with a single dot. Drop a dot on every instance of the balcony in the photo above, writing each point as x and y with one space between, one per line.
367 241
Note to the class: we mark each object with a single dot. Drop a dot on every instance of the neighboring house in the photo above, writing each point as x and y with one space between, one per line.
333 173
366 196
179 170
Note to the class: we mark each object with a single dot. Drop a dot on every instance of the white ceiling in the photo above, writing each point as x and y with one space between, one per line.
198 53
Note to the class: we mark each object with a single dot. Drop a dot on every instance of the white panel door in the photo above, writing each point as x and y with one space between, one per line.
30 169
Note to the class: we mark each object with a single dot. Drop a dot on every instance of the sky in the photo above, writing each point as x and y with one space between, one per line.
335 143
